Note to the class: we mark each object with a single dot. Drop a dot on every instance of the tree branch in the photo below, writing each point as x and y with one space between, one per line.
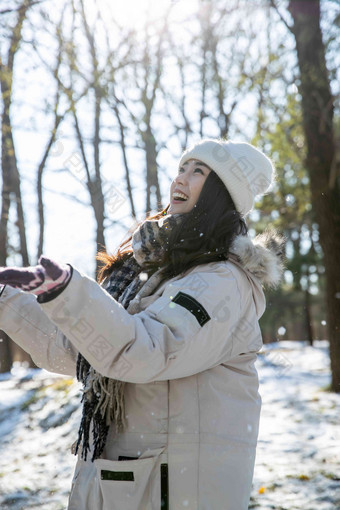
275 7
7 11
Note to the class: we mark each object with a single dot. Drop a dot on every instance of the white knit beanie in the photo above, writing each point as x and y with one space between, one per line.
245 171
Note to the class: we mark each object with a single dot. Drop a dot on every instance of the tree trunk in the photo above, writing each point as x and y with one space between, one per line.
6 189
95 185
5 353
126 165
152 183
11 178
20 214
18 354
309 328
10 173
317 107
98 200
41 214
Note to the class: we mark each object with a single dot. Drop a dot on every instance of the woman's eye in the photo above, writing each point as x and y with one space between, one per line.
183 170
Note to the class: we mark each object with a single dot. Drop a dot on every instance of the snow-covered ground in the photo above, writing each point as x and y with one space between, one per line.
298 455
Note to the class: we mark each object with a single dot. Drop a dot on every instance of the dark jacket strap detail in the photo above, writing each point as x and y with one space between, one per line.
126 476
191 304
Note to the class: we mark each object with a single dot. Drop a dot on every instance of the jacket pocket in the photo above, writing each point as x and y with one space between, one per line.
85 491
131 484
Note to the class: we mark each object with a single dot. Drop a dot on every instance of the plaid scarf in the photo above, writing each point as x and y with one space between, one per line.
103 398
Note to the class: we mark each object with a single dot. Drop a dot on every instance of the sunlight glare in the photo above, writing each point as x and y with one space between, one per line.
134 13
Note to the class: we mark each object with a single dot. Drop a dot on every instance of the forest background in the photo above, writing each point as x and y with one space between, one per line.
99 99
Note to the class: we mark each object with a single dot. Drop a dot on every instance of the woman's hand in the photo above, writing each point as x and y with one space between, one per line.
46 277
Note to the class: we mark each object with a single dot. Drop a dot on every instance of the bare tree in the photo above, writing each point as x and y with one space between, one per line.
150 67
115 103
216 69
11 188
142 75
212 67
42 165
150 145
93 87
10 172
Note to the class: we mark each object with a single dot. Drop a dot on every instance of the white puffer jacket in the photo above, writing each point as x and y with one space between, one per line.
188 354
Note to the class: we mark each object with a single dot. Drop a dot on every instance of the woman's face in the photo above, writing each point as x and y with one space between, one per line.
188 182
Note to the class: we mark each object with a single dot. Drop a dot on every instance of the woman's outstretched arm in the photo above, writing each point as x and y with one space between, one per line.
23 320
185 331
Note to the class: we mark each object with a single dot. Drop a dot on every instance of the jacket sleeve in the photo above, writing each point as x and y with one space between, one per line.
23 320
193 326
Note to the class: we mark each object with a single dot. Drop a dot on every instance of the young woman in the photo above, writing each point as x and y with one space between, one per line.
166 343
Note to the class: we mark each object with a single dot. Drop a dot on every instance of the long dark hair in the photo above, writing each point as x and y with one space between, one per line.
204 235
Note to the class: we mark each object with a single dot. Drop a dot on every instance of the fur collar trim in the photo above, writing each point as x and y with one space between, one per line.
263 256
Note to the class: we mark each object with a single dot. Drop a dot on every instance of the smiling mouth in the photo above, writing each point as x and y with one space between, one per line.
178 197
178 200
